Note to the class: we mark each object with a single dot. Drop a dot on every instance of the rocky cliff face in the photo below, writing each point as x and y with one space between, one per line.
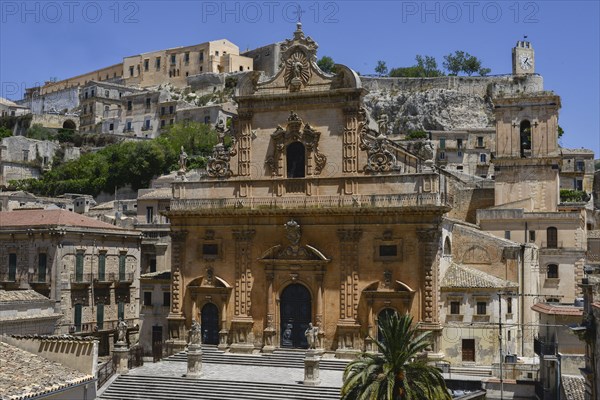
442 103
433 109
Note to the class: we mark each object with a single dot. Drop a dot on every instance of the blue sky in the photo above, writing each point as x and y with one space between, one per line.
43 39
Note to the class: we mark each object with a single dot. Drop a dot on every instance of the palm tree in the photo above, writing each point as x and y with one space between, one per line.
395 373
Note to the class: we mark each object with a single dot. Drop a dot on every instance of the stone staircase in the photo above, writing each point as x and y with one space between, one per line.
472 371
285 358
129 387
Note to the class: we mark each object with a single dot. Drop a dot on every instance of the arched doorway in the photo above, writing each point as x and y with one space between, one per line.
383 314
296 314
210 324
69 124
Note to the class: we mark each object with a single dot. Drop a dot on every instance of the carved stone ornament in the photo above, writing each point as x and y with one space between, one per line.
296 131
379 156
293 232
297 71
299 41
218 164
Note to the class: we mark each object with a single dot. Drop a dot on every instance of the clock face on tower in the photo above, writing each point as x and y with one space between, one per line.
525 62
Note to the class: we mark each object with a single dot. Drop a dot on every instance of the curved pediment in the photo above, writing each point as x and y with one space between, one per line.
293 253
396 286
298 71
209 281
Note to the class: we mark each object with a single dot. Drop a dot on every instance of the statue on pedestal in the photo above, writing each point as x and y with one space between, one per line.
183 160
122 331
195 333
311 334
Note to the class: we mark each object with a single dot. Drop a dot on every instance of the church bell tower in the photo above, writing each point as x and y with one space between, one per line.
523 60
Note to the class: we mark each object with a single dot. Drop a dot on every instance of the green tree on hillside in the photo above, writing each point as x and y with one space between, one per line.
461 61
426 66
326 64
126 163
381 68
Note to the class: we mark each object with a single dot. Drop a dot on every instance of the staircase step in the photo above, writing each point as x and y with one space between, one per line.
288 358
173 388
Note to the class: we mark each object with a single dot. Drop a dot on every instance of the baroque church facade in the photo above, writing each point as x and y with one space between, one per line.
311 215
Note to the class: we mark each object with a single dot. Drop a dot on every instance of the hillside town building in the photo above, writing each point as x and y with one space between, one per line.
89 268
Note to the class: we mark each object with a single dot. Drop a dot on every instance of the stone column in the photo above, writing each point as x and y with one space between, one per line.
176 319
371 329
348 329
121 357
269 332
352 126
223 333
194 361
311 368
242 323
428 245
319 317
244 142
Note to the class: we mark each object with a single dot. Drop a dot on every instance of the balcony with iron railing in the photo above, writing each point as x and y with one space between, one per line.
9 277
39 279
123 278
155 310
95 326
551 245
80 279
112 113
543 347
9 280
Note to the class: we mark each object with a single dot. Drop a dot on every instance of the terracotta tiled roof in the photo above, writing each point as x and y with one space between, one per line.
573 387
460 276
7 296
25 375
157 275
557 309
36 218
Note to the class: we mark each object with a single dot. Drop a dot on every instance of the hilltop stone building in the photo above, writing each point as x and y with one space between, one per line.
311 216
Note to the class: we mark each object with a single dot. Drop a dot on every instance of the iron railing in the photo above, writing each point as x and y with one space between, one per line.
105 371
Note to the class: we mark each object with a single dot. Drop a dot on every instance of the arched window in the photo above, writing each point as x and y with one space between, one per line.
296 159
525 138
552 272
447 247
552 238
